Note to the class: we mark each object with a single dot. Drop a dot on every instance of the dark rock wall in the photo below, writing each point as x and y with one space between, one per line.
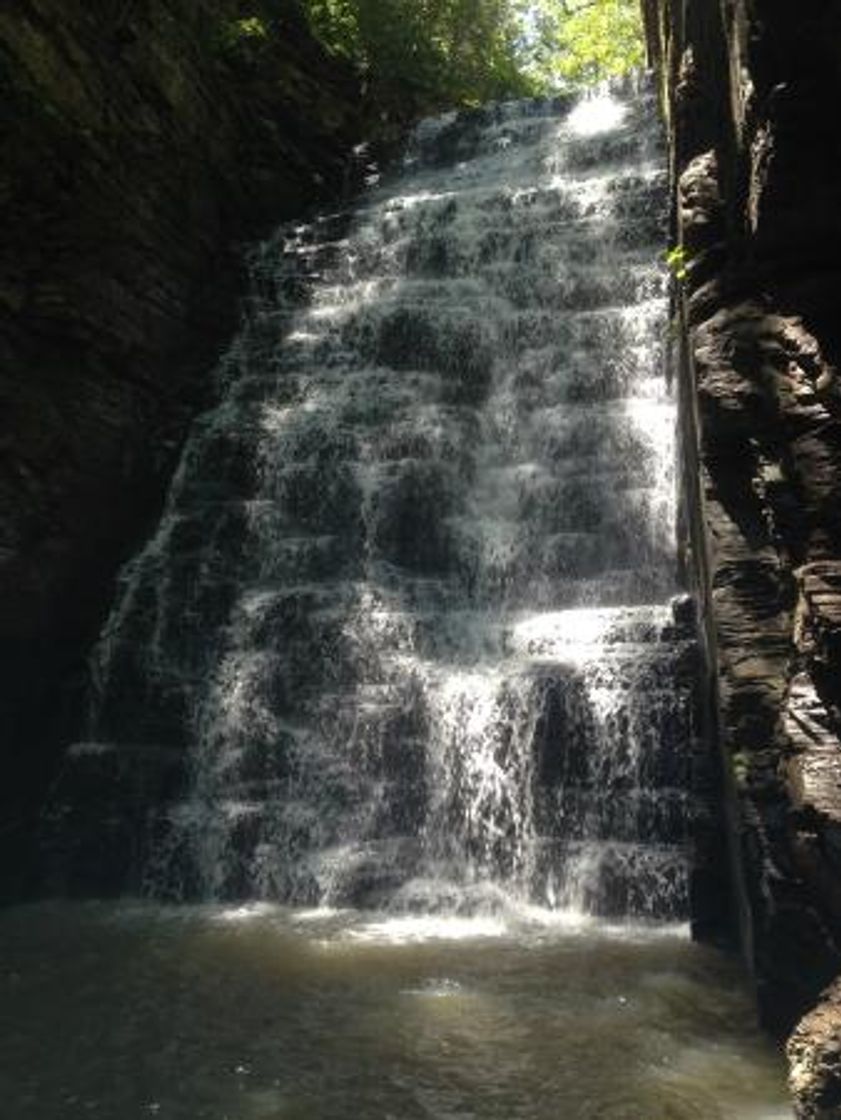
750 89
142 142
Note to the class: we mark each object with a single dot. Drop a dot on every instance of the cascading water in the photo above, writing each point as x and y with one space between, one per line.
410 618
408 609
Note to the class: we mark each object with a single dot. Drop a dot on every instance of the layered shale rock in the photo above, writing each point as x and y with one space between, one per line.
141 144
755 177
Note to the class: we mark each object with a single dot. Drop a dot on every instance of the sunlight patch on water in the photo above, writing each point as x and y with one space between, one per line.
317 914
410 928
570 921
513 920
596 114
571 634
249 912
525 924
435 989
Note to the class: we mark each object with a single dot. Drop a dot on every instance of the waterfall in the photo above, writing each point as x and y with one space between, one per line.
409 611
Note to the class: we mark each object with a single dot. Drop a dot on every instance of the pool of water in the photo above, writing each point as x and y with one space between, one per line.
133 1011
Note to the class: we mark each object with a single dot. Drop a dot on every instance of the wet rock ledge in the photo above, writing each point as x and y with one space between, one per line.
142 143
747 88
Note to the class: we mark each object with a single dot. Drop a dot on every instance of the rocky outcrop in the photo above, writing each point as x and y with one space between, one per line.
814 1054
141 144
755 163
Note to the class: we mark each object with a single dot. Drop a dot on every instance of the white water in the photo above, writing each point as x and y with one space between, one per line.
408 608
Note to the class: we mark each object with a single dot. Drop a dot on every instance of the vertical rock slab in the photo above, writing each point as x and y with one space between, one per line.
754 172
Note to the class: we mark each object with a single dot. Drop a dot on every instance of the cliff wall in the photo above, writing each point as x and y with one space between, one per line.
749 88
142 143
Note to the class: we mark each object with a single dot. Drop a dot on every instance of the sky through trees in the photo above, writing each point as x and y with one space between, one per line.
439 53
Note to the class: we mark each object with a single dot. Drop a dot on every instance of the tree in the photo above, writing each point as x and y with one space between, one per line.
437 52
423 55
577 42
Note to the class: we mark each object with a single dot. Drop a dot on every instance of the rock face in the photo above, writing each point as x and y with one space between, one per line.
814 1054
755 176
141 144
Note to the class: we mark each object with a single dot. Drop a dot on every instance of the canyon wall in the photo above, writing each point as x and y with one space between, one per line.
145 142
142 144
749 88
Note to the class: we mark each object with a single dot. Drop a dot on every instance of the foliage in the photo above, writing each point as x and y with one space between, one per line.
242 35
677 262
436 52
429 54
582 41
